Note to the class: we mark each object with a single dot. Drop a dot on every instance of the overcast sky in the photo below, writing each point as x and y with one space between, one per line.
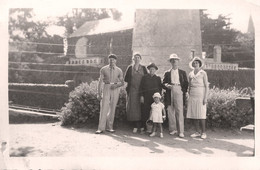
239 16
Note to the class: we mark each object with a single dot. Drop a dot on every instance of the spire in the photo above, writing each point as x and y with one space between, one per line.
251 28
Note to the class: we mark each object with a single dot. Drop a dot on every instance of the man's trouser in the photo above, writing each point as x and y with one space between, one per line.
108 107
175 110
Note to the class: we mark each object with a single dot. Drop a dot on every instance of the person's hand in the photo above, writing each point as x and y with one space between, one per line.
142 99
187 96
168 86
205 101
164 117
113 86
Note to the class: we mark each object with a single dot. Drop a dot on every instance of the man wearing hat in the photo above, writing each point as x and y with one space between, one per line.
176 84
112 77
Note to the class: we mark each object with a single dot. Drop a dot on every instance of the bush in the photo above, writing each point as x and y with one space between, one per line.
83 104
223 112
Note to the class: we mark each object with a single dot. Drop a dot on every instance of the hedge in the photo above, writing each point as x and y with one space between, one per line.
226 79
51 96
221 112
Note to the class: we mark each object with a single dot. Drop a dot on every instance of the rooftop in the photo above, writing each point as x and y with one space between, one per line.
106 25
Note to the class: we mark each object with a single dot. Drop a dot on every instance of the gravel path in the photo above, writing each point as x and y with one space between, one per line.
52 140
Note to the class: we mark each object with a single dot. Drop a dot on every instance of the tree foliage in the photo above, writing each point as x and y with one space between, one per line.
23 27
237 47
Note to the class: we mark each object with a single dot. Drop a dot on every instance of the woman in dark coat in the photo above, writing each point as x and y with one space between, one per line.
133 77
150 84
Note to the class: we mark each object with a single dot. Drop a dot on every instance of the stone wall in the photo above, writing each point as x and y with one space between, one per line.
160 32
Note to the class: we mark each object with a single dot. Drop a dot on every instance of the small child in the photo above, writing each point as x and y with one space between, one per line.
157 114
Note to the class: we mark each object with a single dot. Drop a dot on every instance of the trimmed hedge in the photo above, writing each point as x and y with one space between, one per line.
226 79
51 96
221 112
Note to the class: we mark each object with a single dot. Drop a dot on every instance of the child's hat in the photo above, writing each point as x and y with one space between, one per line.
157 95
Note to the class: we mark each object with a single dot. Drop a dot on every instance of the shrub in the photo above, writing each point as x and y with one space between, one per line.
83 104
223 112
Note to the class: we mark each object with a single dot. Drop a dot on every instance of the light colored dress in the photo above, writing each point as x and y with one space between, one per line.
133 108
156 112
196 109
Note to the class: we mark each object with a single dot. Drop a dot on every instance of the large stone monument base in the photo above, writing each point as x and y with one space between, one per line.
160 32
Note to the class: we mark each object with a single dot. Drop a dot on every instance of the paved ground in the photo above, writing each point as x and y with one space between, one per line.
50 139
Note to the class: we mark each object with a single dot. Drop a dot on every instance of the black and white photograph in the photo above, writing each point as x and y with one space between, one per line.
128 86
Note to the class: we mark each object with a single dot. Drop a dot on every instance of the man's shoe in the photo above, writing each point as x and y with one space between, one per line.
161 135
203 136
173 132
110 130
99 131
142 131
181 135
153 134
196 134
135 130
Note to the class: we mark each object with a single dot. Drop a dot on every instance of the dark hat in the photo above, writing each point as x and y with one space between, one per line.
152 65
112 56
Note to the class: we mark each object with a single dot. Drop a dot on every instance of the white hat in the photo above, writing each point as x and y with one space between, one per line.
157 95
137 53
173 56
198 59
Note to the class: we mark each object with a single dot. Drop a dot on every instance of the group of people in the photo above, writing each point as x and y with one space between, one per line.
145 90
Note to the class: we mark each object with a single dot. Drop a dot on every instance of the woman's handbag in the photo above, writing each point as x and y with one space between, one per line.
149 126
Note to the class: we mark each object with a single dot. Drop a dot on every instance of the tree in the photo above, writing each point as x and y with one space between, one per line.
22 26
215 32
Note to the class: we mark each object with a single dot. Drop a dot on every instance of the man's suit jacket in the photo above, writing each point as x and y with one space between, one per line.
167 80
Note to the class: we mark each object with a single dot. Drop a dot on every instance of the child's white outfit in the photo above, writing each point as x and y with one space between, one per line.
156 112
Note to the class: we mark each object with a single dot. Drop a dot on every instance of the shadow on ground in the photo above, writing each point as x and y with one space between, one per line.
220 139
21 152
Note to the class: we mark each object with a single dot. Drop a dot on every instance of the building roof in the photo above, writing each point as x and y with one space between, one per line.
106 25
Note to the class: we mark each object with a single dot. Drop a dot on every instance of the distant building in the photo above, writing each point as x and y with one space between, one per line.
251 27
95 40
155 33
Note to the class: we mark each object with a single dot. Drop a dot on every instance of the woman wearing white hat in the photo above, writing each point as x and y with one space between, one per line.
198 93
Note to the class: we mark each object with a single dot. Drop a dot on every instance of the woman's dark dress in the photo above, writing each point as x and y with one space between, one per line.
149 85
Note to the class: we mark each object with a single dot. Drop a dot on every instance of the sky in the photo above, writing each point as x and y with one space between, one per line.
239 16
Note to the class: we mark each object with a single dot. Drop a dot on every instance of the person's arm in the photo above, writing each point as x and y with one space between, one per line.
145 70
100 81
189 86
185 82
160 85
121 79
127 74
165 84
164 114
127 78
206 84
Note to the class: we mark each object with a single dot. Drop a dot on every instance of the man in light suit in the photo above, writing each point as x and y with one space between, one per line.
112 78
175 83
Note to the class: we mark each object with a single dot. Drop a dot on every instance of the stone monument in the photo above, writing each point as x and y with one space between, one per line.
160 32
